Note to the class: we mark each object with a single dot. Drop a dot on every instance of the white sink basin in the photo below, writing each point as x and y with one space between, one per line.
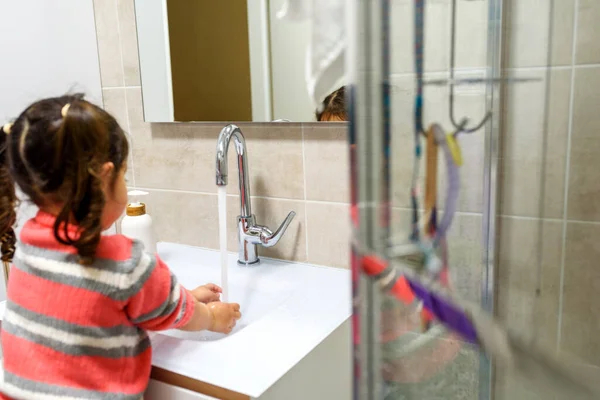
254 306
258 289
287 310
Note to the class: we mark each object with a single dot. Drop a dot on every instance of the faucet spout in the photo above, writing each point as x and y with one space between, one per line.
227 133
250 234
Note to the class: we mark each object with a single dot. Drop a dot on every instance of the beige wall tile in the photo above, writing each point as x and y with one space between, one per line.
436 36
180 156
528 173
129 45
464 246
581 319
584 175
471 37
470 198
520 306
271 213
172 156
402 141
192 218
327 166
401 225
588 35
529 28
512 385
589 373
109 47
140 130
115 103
186 218
328 234
275 158
471 32
469 101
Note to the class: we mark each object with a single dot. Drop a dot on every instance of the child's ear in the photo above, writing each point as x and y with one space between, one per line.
107 170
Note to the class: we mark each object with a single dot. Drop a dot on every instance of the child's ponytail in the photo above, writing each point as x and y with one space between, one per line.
84 198
8 200
58 148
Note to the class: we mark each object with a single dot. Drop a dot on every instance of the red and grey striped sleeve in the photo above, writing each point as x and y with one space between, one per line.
159 301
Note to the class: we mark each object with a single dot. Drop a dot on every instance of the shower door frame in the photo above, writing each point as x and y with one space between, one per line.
493 129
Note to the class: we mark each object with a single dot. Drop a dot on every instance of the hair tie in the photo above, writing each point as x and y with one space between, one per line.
7 127
65 110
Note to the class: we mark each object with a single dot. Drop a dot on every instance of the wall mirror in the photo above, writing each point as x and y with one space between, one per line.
235 60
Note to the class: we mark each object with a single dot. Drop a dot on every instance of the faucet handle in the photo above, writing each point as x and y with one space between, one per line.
268 238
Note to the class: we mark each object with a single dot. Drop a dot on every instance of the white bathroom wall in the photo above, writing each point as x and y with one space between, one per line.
48 48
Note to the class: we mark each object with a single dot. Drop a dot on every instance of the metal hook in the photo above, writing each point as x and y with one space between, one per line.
459 126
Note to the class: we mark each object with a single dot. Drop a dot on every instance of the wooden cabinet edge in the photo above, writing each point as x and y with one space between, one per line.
185 382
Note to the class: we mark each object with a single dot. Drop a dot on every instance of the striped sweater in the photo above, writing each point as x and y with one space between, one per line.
79 332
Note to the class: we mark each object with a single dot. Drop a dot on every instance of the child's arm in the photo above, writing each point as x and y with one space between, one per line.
160 302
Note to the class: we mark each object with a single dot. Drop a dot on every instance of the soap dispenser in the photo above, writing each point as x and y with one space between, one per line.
137 224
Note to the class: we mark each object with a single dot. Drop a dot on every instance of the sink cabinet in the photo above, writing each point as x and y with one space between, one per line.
324 374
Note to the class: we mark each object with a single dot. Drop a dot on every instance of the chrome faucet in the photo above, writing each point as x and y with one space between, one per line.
250 235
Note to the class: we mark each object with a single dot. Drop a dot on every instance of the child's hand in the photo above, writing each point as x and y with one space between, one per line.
207 293
225 316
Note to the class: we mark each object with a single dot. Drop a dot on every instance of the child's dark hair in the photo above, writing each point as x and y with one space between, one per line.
8 203
333 107
54 152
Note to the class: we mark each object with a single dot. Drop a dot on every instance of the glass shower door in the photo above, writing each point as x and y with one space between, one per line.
523 237
445 367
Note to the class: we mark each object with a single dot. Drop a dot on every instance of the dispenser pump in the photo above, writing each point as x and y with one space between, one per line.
136 208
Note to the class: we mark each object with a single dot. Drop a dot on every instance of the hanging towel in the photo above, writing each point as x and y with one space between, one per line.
326 48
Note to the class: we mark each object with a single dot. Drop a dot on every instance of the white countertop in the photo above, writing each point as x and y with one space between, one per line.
288 309
307 304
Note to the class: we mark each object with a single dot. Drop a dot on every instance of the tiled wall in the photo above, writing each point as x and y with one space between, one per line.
548 277
300 167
